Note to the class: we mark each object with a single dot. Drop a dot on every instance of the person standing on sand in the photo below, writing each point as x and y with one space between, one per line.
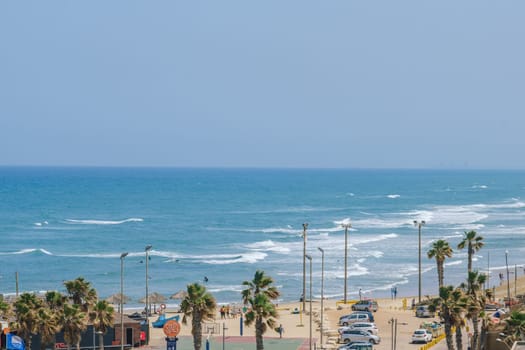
395 292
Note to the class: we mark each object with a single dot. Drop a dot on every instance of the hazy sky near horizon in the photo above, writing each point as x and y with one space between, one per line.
369 84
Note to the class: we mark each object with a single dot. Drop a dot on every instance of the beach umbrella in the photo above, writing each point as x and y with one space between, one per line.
115 299
154 298
181 294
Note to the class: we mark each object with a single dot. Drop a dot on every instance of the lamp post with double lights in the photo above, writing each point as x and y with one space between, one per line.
419 224
322 294
346 226
147 249
122 256
310 259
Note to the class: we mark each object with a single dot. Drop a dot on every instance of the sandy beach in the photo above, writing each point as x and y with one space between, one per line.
298 325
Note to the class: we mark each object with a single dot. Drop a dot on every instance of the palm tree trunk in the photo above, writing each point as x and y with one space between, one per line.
448 329
481 342
258 334
101 341
475 332
459 338
440 273
196 329
78 345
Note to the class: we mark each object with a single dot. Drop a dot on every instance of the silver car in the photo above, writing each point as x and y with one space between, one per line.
355 335
363 326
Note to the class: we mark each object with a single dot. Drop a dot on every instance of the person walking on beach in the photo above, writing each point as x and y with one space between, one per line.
395 292
392 293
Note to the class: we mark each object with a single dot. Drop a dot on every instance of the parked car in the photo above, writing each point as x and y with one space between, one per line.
352 318
369 313
356 346
421 336
365 305
355 335
363 326
424 311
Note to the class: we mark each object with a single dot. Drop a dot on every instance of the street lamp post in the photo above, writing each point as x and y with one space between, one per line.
346 226
419 224
305 226
508 279
310 259
322 293
122 256
147 249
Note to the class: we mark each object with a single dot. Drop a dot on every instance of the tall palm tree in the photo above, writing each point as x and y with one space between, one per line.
440 251
102 317
74 321
81 293
47 326
452 302
26 307
259 295
473 242
476 304
200 305
54 301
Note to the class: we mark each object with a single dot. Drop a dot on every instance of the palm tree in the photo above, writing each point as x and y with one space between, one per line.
515 326
74 321
440 250
54 301
26 307
200 305
259 295
452 302
474 243
46 326
81 293
476 304
5 309
102 317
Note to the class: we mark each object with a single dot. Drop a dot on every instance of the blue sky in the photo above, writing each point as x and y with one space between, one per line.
368 84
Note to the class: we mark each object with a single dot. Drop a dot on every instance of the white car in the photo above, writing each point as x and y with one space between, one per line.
364 326
421 336
353 318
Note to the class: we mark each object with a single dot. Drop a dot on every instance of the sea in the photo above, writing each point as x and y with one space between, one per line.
219 226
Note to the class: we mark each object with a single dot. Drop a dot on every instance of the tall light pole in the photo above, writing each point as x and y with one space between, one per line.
147 249
122 256
322 292
419 224
346 226
310 259
305 226
508 279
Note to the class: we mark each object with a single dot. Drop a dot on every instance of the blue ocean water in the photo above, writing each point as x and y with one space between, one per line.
60 223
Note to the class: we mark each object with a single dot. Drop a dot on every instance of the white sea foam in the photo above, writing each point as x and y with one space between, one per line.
452 263
26 251
480 186
268 246
368 239
247 258
103 222
393 196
